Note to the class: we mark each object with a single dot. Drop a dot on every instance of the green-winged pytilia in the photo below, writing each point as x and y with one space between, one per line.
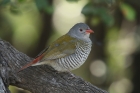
68 52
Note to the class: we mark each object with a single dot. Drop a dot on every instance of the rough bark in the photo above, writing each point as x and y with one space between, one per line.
37 79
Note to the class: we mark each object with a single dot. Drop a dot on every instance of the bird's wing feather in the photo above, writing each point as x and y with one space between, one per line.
62 47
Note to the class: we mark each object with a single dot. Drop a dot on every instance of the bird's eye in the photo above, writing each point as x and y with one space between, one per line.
81 30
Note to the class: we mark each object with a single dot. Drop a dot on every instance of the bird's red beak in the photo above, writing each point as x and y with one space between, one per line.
89 31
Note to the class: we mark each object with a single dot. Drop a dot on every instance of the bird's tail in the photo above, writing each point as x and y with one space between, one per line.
31 63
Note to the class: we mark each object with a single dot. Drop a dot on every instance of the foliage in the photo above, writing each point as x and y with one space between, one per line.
44 5
3 2
90 10
128 11
72 0
41 5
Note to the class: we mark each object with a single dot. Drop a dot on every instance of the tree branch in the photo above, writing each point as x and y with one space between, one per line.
37 79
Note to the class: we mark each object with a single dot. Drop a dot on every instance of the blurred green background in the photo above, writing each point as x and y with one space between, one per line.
114 62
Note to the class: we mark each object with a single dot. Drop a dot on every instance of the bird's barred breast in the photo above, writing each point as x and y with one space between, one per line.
75 60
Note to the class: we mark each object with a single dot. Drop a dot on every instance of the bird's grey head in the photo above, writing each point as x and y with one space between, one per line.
80 31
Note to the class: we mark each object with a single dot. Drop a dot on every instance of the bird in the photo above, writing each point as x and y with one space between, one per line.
68 52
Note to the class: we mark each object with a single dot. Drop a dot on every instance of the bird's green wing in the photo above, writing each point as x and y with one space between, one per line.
62 47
